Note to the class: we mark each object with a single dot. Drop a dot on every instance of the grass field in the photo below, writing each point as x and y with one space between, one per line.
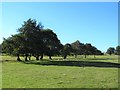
99 72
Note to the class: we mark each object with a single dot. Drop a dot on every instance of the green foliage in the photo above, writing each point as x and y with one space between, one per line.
111 50
84 49
32 39
66 50
51 43
117 51
32 36
77 48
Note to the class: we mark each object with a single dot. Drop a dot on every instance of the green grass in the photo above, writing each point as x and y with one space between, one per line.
60 73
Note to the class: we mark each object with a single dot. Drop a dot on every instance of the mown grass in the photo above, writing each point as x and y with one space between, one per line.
59 73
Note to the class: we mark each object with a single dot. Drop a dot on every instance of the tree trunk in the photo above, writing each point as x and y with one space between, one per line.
29 57
18 57
85 55
65 56
75 55
41 56
26 57
50 57
37 57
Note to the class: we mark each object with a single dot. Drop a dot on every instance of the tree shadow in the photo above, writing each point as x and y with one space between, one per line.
101 59
76 63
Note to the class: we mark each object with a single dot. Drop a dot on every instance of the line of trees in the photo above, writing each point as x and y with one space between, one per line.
33 40
112 50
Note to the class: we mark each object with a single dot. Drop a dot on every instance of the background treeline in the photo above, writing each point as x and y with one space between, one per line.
112 50
33 40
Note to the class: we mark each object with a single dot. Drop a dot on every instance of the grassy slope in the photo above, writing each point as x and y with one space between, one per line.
20 75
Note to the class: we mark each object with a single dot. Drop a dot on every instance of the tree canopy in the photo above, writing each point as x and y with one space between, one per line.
33 40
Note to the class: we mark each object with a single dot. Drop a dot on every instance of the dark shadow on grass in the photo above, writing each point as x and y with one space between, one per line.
100 59
76 63
10 61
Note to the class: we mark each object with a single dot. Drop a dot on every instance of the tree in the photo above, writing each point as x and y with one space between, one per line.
91 50
18 45
77 48
51 43
32 35
32 39
117 51
27 41
95 51
13 45
111 50
66 50
7 45
87 49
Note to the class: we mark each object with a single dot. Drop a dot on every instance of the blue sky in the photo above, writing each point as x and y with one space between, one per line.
88 22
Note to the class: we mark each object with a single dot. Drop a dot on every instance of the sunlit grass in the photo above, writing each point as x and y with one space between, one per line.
20 75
